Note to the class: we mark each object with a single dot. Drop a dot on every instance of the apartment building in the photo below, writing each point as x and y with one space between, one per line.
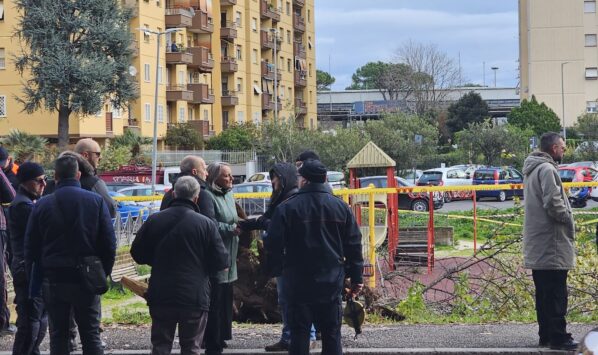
225 63
559 55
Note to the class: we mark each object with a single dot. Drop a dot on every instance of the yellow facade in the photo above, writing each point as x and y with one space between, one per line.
558 55
216 69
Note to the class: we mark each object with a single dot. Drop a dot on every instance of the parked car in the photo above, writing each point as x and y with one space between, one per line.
263 176
495 176
446 177
413 175
407 201
336 179
144 191
590 164
115 186
594 193
253 206
577 174
469 169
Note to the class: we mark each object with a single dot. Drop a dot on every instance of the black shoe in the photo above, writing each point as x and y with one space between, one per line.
11 329
543 343
569 345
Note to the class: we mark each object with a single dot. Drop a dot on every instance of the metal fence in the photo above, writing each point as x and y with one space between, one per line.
173 158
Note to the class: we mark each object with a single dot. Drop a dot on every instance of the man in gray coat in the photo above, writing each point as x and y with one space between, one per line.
548 240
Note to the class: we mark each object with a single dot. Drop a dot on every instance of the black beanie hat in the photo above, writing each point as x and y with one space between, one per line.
313 171
28 171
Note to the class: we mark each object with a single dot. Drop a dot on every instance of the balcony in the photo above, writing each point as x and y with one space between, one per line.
202 59
300 78
178 93
299 3
202 127
268 11
228 65
299 50
266 39
229 98
132 6
202 94
300 106
228 31
176 57
178 17
268 71
298 23
134 47
268 102
228 2
202 23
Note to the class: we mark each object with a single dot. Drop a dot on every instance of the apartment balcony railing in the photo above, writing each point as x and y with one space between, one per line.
228 65
202 23
228 30
268 11
268 102
178 93
178 56
299 3
228 2
202 94
298 23
202 59
300 78
266 39
300 106
134 47
299 50
178 17
268 71
229 98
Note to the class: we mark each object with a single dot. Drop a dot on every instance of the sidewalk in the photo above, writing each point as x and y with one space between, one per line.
383 339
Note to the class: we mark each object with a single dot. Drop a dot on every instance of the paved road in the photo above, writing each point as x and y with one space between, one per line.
489 204
398 336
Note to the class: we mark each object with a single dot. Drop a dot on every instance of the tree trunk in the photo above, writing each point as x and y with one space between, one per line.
63 127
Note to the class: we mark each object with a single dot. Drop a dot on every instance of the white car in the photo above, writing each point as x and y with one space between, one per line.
446 177
144 191
594 193
263 176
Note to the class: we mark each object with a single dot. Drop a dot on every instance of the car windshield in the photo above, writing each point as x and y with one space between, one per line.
403 182
335 177
428 176
484 175
567 175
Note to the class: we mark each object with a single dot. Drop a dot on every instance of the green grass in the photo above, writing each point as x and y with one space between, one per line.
135 313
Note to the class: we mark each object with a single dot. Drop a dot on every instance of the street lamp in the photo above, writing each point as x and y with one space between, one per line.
275 34
563 99
494 69
155 137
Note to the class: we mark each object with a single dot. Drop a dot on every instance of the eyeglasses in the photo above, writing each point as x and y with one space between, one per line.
41 180
98 154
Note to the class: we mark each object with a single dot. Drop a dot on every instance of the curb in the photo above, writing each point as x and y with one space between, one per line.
365 351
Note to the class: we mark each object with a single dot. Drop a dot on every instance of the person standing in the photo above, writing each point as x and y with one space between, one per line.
32 321
315 237
220 319
548 240
7 194
194 166
183 248
8 167
63 228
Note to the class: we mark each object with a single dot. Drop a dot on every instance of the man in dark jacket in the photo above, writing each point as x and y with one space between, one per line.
183 248
7 194
317 240
32 321
194 166
7 164
64 227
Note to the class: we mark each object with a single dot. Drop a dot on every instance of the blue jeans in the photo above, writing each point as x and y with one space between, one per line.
285 337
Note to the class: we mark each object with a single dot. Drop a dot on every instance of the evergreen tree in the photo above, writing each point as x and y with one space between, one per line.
470 108
535 116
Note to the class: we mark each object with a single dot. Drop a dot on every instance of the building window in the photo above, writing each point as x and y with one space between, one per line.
288 8
309 69
239 84
589 7
160 74
2 58
3 106
240 117
160 114
254 56
289 65
282 89
146 35
288 37
117 112
592 73
254 24
591 40
238 19
290 93
308 15
148 113
190 114
309 42
206 115
1 10
239 52
146 72
591 107
182 114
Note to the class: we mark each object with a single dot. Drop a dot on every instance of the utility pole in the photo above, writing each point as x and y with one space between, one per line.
563 98
275 34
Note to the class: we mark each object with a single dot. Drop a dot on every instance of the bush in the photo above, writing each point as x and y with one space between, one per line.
114 157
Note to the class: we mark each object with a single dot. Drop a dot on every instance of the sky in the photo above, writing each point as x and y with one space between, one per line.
351 33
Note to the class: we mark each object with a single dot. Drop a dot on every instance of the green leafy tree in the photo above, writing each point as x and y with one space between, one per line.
24 146
393 80
368 76
470 108
324 80
76 56
236 137
133 141
114 157
587 126
495 144
183 136
535 116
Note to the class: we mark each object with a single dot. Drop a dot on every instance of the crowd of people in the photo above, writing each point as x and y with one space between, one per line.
61 247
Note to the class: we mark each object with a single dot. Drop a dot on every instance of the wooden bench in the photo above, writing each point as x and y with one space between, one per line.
125 266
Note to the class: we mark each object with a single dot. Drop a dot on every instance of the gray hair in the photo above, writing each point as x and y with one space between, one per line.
214 171
190 162
186 187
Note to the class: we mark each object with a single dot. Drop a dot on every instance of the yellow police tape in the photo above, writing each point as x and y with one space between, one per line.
370 190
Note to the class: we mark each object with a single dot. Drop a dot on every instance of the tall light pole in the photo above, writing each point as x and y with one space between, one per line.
494 69
155 137
275 35
563 98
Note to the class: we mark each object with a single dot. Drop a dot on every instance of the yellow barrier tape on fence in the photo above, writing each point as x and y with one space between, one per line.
138 198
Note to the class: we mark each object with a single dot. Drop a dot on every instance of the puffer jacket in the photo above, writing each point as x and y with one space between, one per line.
548 230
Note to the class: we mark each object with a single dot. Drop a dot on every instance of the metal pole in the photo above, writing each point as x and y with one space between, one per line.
155 138
275 32
563 98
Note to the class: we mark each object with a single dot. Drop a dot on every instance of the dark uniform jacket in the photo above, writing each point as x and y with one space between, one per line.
88 221
183 248
318 241
19 212
205 203
11 176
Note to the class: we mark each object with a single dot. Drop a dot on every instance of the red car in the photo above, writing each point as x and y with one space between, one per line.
577 173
